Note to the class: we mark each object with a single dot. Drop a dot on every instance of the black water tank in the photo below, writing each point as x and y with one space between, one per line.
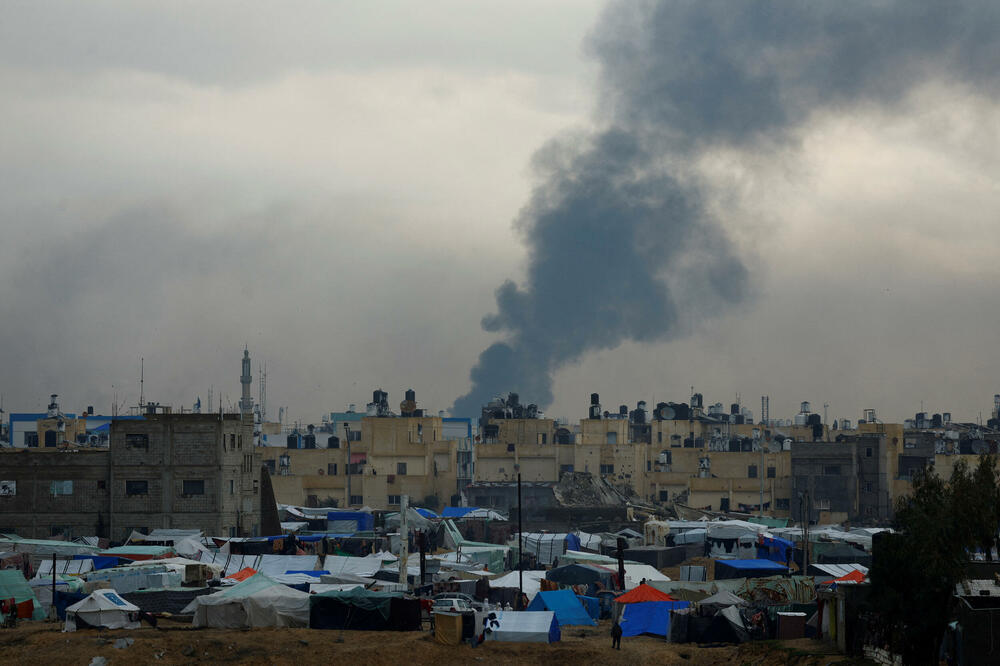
411 395
595 399
623 410
734 408
936 421
814 420
513 400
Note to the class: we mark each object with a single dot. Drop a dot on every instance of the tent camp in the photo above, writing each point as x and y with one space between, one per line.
725 569
364 610
14 586
103 609
649 617
565 605
522 627
513 579
259 601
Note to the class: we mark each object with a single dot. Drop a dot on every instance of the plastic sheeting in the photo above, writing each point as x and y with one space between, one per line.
522 627
512 579
270 565
14 586
649 617
356 566
256 602
565 605
65 567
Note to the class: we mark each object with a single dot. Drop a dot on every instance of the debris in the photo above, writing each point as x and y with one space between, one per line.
303 641
187 651
123 643
98 661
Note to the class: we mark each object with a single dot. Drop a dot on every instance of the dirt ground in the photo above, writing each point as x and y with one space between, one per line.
45 643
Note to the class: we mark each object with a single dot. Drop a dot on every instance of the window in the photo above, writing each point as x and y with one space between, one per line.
752 472
607 469
102 485
63 531
193 487
510 448
333 442
649 465
394 500
62 487
232 441
50 438
137 487
355 436
868 486
331 469
823 504
137 441
781 503
868 452
770 472
256 485
564 469
831 470
239 442
401 469
269 464
232 487
357 499
664 495
420 432
612 437
543 438
31 439
659 437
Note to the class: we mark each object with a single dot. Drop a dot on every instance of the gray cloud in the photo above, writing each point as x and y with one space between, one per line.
614 217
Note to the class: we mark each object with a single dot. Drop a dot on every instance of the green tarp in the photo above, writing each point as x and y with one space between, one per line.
14 586
362 598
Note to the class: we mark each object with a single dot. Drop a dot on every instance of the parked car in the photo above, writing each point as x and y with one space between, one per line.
451 605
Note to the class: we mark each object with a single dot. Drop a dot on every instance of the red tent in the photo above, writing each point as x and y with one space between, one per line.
854 577
242 574
643 593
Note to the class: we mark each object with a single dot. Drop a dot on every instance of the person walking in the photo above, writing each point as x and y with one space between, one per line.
616 636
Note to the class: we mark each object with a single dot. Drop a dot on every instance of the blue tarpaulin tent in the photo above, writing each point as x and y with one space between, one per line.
100 562
365 521
457 511
649 617
592 605
572 542
775 549
725 569
564 604
426 513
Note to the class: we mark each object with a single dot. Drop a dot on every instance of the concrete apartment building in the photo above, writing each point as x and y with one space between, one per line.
164 470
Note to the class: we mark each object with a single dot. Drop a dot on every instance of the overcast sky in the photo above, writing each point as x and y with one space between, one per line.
343 187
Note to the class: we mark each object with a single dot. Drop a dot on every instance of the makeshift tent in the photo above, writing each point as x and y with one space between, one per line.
72 567
512 579
643 593
580 574
592 605
775 549
14 586
426 513
240 575
522 627
725 569
564 604
140 552
356 566
349 522
448 628
103 609
852 578
270 565
720 600
258 601
365 610
649 617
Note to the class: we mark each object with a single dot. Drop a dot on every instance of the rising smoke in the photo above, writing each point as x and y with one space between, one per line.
617 230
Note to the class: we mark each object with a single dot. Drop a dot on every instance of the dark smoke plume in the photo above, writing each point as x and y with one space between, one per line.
617 230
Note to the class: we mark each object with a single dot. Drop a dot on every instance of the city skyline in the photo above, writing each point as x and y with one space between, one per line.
343 191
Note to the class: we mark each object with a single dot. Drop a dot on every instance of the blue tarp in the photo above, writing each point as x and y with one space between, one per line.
564 604
364 520
592 605
572 542
649 617
315 574
457 511
100 562
725 569
775 549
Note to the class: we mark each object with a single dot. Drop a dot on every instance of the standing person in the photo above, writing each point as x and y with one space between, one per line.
616 636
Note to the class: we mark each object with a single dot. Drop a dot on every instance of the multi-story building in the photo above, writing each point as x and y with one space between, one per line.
161 471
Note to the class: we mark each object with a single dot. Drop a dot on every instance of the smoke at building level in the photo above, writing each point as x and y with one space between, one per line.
621 245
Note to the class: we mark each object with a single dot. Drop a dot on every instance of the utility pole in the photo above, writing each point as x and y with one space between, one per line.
404 539
520 548
347 438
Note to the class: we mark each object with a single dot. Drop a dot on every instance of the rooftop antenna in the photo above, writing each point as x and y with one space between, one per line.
142 377
210 397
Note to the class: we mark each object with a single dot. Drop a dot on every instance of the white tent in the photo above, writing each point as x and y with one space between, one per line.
103 608
357 566
271 565
256 602
512 579
64 568
522 627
